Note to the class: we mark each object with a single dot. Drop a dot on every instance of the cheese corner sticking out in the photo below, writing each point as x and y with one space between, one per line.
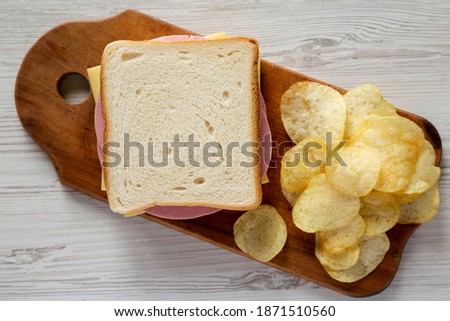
103 187
94 81
219 35
265 179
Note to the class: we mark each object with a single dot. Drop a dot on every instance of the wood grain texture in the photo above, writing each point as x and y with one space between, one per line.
74 245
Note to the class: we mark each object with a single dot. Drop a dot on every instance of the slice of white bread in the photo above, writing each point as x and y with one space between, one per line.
153 91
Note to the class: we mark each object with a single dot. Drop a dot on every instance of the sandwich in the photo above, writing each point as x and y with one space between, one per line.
181 124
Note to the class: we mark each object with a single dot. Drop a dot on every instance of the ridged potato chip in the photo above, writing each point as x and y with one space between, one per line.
398 141
340 239
425 175
422 209
372 252
337 261
356 172
261 233
300 163
309 109
380 211
363 101
322 208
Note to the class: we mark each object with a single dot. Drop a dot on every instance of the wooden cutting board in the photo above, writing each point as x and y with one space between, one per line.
66 133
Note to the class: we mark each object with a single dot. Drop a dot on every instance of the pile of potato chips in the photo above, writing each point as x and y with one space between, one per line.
357 170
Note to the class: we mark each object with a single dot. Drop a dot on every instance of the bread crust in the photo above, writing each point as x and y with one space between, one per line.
255 120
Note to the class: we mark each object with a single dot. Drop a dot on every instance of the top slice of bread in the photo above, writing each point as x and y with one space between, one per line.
154 92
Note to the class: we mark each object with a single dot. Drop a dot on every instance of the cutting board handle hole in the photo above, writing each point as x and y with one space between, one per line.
73 88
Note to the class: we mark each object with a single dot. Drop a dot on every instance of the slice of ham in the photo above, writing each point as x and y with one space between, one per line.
188 212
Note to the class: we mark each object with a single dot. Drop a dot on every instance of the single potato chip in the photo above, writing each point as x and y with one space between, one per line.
309 109
322 208
340 239
380 211
363 101
422 209
337 261
398 141
372 252
355 172
261 233
300 163
289 196
425 175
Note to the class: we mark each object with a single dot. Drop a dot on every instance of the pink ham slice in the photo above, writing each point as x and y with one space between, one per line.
188 212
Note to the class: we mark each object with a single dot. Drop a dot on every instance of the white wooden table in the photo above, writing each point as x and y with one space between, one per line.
56 243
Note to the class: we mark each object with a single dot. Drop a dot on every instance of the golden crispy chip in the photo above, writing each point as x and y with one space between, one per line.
340 239
425 175
290 197
356 172
261 233
309 109
300 163
322 208
397 141
380 211
422 209
363 101
337 261
372 251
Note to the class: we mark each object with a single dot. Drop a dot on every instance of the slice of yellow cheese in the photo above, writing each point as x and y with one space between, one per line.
103 186
219 35
94 81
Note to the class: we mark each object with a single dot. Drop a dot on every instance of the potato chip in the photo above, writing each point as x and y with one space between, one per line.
425 175
300 163
261 233
397 141
422 209
363 101
356 172
290 197
340 239
380 211
309 109
322 208
337 261
372 252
